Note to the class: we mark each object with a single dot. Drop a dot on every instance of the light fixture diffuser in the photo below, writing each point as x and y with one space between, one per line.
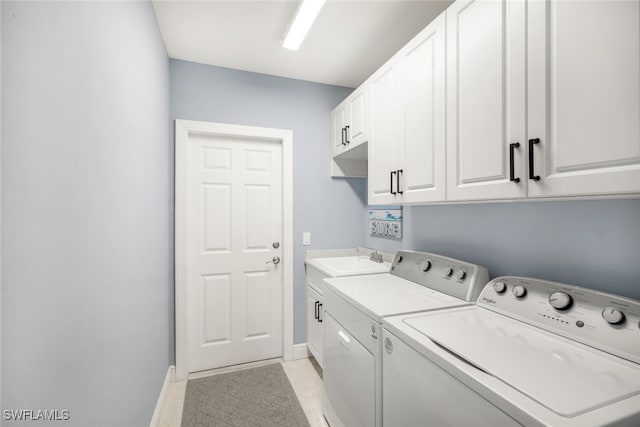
302 22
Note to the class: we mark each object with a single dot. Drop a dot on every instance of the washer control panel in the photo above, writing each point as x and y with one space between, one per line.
605 321
451 276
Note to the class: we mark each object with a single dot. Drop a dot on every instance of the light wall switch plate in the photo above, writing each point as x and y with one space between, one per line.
306 238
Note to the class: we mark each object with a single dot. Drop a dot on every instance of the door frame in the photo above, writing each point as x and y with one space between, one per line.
183 130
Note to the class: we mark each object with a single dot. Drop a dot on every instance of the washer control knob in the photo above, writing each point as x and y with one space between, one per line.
426 265
519 291
499 287
560 300
613 316
448 271
460 274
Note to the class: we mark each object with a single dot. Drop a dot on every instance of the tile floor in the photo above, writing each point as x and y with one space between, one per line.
304 375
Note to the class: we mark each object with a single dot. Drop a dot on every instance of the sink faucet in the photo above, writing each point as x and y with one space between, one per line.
375 256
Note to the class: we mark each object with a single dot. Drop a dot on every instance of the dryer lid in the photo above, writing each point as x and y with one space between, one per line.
383 295
567 377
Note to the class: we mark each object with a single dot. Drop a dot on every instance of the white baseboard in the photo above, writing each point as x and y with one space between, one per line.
168 379
300 351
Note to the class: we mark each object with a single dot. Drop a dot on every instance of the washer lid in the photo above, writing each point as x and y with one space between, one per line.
567 377
383 295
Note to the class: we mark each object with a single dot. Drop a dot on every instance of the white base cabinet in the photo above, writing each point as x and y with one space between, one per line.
315 327
315 313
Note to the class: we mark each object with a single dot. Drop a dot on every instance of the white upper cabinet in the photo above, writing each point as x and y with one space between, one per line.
423 170
501 99
349 122
407 147
386 133
357 118
338 123
584 97
486 100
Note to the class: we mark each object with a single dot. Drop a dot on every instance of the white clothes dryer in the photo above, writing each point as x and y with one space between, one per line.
354 309
530 352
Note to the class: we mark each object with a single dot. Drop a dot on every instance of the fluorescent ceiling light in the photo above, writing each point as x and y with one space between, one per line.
302 22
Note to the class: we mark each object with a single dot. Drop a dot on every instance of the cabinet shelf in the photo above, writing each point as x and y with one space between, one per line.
352 163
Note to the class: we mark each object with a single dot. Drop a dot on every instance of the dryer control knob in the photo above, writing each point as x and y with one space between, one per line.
448 271
426 265
560 300
613 316
460 274
499 287
519 291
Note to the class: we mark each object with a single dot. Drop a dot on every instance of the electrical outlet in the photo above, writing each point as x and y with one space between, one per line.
306 238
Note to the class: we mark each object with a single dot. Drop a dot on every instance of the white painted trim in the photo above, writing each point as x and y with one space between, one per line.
162 398
287 205
183 129
300 351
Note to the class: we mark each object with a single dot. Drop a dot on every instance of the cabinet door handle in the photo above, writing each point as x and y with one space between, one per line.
512 176
316 315
391 184
319 308
532 175
398 181
346 133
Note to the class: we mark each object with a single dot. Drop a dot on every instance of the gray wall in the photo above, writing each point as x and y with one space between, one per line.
590 243
86 213
330 209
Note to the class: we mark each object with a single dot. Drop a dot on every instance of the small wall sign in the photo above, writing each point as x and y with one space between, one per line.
386 222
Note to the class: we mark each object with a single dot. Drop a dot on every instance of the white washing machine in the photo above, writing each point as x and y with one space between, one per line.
530 352
354 309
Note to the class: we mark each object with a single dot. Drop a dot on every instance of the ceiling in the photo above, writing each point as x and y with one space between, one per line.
347 43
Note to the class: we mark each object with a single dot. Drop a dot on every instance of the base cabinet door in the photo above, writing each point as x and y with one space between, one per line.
315 327
583 97
485 99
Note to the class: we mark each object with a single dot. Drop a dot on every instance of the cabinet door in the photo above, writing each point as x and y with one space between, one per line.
338 122
485 98
315 330
423 76
584 97
386 132
357 117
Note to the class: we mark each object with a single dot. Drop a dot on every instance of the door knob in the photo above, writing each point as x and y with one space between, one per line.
275 260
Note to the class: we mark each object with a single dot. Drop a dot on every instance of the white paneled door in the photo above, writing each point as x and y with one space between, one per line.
233 236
